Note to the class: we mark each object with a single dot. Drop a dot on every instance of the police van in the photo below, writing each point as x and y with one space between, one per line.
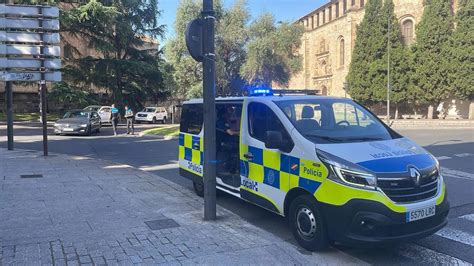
328 164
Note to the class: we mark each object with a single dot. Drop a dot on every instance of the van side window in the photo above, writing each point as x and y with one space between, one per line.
191 119
263 119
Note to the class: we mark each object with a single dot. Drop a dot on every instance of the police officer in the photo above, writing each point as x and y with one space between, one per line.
129 117
114 118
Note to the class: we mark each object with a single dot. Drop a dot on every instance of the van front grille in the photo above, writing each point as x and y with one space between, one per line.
405 190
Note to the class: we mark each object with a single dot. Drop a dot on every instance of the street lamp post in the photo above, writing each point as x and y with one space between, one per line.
208 64
388 72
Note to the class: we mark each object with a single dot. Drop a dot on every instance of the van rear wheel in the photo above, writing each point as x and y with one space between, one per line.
199 188
307 224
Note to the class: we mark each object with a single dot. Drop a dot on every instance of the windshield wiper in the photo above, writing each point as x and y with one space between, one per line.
330 139
364 139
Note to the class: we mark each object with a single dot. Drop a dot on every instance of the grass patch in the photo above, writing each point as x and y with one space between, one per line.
166 131
27 117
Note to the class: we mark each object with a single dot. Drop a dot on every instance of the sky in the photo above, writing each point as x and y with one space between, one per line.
283 10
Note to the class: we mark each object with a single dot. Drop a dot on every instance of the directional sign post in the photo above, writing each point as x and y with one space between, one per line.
29 52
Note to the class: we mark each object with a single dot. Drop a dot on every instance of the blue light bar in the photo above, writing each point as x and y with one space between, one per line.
260 91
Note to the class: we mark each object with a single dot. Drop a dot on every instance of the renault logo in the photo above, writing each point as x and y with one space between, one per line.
415 176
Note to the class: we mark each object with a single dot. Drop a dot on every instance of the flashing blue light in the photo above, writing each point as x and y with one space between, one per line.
260 91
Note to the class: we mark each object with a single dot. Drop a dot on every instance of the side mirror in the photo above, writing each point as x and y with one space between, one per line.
274 140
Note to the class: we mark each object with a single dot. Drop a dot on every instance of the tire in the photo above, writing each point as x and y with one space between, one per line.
199 188
307 223
154 120
98 129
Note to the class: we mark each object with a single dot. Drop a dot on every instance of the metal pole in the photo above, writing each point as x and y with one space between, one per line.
42 86
209 177
9 100
388 72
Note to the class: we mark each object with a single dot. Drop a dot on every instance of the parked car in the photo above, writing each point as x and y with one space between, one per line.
78 122
103 111
152 115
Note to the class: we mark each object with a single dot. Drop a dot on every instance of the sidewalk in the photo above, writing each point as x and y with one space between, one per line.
77 210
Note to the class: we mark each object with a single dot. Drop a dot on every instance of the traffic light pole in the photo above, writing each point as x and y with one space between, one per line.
209 177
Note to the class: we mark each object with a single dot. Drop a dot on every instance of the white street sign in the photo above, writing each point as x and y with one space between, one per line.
31 76
19 49
48 11
27 37
28 23
29 63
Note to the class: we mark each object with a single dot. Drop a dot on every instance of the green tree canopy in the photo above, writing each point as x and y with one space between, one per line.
431 53
270 51
121 32
462 51
366 71
230 39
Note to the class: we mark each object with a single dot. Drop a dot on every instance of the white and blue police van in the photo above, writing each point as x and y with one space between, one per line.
336 171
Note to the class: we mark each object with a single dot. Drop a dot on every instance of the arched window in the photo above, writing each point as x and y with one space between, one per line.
407 31
341 52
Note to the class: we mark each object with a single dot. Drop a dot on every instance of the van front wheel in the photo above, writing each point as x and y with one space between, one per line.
307 223
199 188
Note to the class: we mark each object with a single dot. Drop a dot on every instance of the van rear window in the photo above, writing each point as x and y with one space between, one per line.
191 119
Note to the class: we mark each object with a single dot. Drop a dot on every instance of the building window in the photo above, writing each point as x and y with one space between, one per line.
337 10
407 31
324 16
317 20
344 6
362 3
353 2
330 13
341 52
312 22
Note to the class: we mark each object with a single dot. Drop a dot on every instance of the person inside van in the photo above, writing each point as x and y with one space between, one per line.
227 138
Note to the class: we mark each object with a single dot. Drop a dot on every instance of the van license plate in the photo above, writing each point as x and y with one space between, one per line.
68 129
421 214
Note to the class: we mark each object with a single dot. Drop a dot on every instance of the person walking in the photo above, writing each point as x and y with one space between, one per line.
114 118
129 116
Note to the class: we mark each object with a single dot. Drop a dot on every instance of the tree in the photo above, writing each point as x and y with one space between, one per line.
400 64
365 70
462 51
119 32
270 56
431 53
230 39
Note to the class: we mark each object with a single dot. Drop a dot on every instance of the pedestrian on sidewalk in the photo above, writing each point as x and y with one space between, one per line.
114 118
129 116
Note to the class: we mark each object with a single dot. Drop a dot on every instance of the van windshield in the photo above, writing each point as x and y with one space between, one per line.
334 121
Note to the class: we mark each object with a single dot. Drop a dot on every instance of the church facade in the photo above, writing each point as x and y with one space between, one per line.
329 39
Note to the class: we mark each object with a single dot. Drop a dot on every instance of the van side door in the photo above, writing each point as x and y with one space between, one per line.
191 142
264 171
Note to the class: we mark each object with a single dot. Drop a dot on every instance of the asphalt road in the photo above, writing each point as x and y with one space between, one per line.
453 147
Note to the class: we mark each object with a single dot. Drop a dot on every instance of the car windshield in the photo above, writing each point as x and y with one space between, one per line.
149 110
334 121
92 108
76 114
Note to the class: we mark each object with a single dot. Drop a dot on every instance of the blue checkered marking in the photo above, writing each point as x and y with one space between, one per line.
287 161
197 142
271 177
308 184
181 139
188 154
244 168
257 155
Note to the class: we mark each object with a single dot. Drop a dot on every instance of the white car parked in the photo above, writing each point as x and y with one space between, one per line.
105 113
152 115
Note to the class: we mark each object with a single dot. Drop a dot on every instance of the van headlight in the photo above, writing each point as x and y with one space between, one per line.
347 173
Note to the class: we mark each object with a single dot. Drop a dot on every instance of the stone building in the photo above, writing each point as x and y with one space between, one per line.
329 39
